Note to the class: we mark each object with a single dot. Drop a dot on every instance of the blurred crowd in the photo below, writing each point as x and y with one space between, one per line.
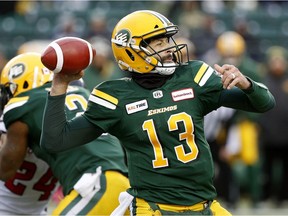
250 150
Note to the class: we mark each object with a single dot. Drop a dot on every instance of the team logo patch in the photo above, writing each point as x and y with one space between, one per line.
16 71
123 37
158 94
182 94
136 106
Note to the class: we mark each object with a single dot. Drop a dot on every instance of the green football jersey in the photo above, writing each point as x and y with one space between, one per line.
161 129
70 165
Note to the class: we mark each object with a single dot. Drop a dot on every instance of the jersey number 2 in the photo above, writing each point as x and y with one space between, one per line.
187 135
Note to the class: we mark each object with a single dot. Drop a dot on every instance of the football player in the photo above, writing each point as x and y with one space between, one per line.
92 176
158 116
27 192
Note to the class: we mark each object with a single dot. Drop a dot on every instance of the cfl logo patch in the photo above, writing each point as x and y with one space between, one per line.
157 94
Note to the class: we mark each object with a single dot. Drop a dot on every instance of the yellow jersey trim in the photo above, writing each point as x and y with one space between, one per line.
17 99
105 96
14 103
200 73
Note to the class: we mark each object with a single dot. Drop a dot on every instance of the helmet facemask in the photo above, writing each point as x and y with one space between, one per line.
6 93
161 67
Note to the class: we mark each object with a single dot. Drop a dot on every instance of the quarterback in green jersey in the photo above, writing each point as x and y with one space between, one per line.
92 176
158 116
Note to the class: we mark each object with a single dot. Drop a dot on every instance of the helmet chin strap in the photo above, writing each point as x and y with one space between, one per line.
165 68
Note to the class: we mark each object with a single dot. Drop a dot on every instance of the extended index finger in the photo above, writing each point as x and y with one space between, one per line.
219 69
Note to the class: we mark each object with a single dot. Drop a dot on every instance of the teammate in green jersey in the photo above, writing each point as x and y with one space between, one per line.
92 175
158 116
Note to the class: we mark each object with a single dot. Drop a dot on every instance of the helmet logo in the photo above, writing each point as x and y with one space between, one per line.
123 37
16 71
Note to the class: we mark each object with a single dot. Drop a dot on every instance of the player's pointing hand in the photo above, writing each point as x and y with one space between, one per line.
231 76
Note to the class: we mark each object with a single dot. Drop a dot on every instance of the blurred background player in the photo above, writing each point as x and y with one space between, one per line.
91 177
26 184
17 194
28 190
273 130
241 149
215 127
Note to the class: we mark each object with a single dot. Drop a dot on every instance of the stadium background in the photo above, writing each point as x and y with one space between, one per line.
26 20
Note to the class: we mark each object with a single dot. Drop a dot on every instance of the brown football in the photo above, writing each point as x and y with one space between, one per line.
68 55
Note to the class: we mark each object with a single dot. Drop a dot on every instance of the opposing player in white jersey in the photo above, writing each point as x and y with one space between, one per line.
28 192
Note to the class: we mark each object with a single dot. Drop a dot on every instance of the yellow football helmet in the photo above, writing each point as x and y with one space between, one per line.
22 73
231 44
131 36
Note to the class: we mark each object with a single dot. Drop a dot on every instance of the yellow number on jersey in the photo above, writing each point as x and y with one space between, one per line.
73 101
188 136
159 161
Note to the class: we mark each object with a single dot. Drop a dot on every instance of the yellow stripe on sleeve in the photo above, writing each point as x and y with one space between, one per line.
105 96
18 99
14 103
200 73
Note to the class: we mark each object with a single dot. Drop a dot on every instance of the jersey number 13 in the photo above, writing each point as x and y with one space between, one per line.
188 135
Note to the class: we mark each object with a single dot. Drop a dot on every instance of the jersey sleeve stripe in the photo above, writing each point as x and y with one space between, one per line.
15 102
105 96
206 76
200 73
18 99
102 102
